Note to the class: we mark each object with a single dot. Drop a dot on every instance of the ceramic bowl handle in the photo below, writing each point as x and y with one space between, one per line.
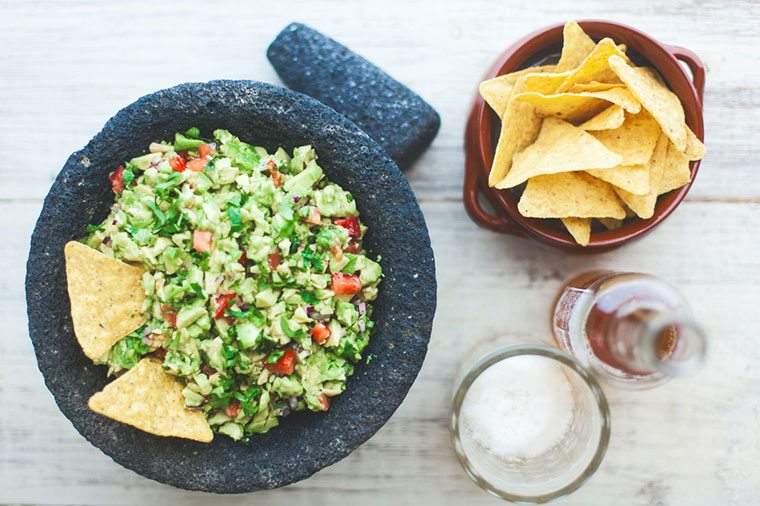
695 65
474 208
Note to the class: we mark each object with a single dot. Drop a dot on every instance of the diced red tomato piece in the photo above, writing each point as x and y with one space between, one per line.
351 224
178 163
117 179
243 260
352 247
169 315
276 178
201 240
324 401
197 164
345 284
204 150
314 217
285 364
275 259
232 410
319 333
223 301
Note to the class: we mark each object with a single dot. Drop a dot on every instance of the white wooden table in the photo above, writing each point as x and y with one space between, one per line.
66 67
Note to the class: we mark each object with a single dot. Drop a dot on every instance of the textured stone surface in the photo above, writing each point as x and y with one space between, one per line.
392 114
304 443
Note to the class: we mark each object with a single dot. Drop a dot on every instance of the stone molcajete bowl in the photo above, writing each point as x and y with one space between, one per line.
305 442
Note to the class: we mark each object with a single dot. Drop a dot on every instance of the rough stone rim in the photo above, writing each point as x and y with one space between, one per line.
404 311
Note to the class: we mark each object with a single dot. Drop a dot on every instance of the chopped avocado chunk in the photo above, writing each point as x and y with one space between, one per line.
234 430
287 386
145 161
189 314
240 153
303 181
370 272
193 133
182 143
333 201
248 335
347 313
214 352
266 298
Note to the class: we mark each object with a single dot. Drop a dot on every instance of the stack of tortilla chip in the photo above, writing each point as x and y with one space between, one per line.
593 136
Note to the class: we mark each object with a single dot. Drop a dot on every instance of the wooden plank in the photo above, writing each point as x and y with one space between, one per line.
670 445
53 105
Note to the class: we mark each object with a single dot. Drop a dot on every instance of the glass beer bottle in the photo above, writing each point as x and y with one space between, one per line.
632 329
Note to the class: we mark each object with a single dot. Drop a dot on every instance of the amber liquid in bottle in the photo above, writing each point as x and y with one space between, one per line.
633 329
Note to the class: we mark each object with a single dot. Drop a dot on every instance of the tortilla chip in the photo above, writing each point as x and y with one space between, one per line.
569 194
148 398
609 119
676 171
544 83
594 86
662 104
595 67
573 108
634 140
496 91
695 150
579 107
519 127
579 228
610 223
106 298
576 46
631 178
559 147
619 96
643 205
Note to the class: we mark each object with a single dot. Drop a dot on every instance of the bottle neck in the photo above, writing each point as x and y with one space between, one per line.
670 343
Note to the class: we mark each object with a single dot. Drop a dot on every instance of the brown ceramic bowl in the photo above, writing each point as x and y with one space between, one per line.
483 128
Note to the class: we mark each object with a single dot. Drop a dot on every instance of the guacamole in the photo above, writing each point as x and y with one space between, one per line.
257 289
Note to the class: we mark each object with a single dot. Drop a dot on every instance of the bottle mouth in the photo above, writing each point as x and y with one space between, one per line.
677 344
